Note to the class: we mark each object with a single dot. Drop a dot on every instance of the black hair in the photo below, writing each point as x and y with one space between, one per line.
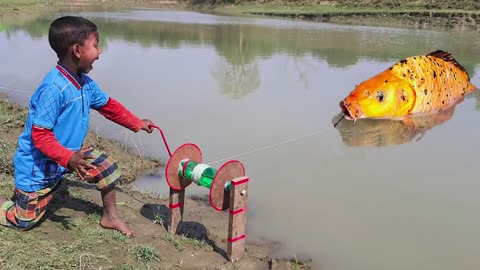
67 31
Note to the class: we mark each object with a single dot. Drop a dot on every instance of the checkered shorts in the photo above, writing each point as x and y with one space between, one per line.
106 174
27 208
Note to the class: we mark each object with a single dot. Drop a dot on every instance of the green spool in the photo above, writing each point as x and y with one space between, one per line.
205 179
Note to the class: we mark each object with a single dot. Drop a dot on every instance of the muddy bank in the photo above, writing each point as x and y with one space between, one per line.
423 14
444 14
458 21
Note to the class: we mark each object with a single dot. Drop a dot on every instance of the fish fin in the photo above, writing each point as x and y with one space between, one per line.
447 56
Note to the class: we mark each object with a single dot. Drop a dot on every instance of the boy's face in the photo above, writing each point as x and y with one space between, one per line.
88 53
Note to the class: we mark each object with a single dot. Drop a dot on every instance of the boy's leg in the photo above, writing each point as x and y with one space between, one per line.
27 208
106 176
110 217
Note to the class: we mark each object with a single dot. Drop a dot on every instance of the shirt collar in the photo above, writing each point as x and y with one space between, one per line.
76 80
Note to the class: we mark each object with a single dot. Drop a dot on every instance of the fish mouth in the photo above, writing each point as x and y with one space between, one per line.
351 110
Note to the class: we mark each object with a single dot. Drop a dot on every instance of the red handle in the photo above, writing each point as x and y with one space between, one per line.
163 137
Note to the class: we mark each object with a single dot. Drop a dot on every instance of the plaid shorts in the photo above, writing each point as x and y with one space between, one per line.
29 207
106 174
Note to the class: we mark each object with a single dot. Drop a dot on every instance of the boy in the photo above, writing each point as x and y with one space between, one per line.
56 126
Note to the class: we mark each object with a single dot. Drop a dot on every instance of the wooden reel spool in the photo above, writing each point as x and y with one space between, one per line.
218 197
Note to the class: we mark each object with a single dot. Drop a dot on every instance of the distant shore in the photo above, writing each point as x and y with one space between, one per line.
458 21
444 14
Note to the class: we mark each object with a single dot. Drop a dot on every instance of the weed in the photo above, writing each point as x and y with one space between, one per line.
298 265
181 241
146 254
158 219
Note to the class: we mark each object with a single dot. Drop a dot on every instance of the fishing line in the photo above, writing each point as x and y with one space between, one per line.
271 145
336 124
9 89
232 156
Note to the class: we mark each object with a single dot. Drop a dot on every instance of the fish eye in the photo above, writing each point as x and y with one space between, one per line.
380 95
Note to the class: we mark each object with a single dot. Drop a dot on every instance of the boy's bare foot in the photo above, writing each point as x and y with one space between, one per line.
116 223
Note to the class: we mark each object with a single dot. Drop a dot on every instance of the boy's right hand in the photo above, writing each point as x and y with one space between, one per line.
79 164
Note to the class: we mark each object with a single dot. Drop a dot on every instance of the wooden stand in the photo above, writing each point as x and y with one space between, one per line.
237 220
235 198
175 210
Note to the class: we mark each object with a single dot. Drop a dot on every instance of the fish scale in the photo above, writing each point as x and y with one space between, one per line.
451 81
415 85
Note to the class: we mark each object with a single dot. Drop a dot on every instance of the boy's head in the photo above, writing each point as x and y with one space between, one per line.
77 37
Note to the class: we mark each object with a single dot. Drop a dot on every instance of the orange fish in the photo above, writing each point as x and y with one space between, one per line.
417 85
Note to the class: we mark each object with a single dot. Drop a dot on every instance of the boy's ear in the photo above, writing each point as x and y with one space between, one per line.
76 50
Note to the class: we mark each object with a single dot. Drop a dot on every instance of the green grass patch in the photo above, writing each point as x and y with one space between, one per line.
6 157
11 115
304 7
18 3
146 254
75 243
183 241
92 247
6 185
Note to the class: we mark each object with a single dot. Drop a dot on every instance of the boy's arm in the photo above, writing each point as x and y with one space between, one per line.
47 143
116 112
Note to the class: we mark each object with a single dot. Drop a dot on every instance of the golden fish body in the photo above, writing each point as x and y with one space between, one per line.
413 86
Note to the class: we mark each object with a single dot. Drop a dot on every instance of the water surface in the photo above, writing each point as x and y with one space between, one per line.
378 196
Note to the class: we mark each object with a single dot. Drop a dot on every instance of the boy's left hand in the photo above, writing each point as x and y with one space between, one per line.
147 125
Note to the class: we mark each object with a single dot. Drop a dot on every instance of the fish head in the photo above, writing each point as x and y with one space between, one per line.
382 96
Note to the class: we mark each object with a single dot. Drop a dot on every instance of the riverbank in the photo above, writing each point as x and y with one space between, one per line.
446 14
423 14
450 20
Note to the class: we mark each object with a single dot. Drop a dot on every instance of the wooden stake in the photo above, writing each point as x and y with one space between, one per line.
237 221
175 209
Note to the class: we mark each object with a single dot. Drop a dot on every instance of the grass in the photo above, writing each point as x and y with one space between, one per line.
91 246
34 249
6 157
297 265
285 8
146 254
23 3
159 219
182 241
11 115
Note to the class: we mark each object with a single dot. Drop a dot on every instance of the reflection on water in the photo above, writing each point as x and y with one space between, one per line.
242 42
383 132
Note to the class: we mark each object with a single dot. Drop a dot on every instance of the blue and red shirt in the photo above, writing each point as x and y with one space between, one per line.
61 105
